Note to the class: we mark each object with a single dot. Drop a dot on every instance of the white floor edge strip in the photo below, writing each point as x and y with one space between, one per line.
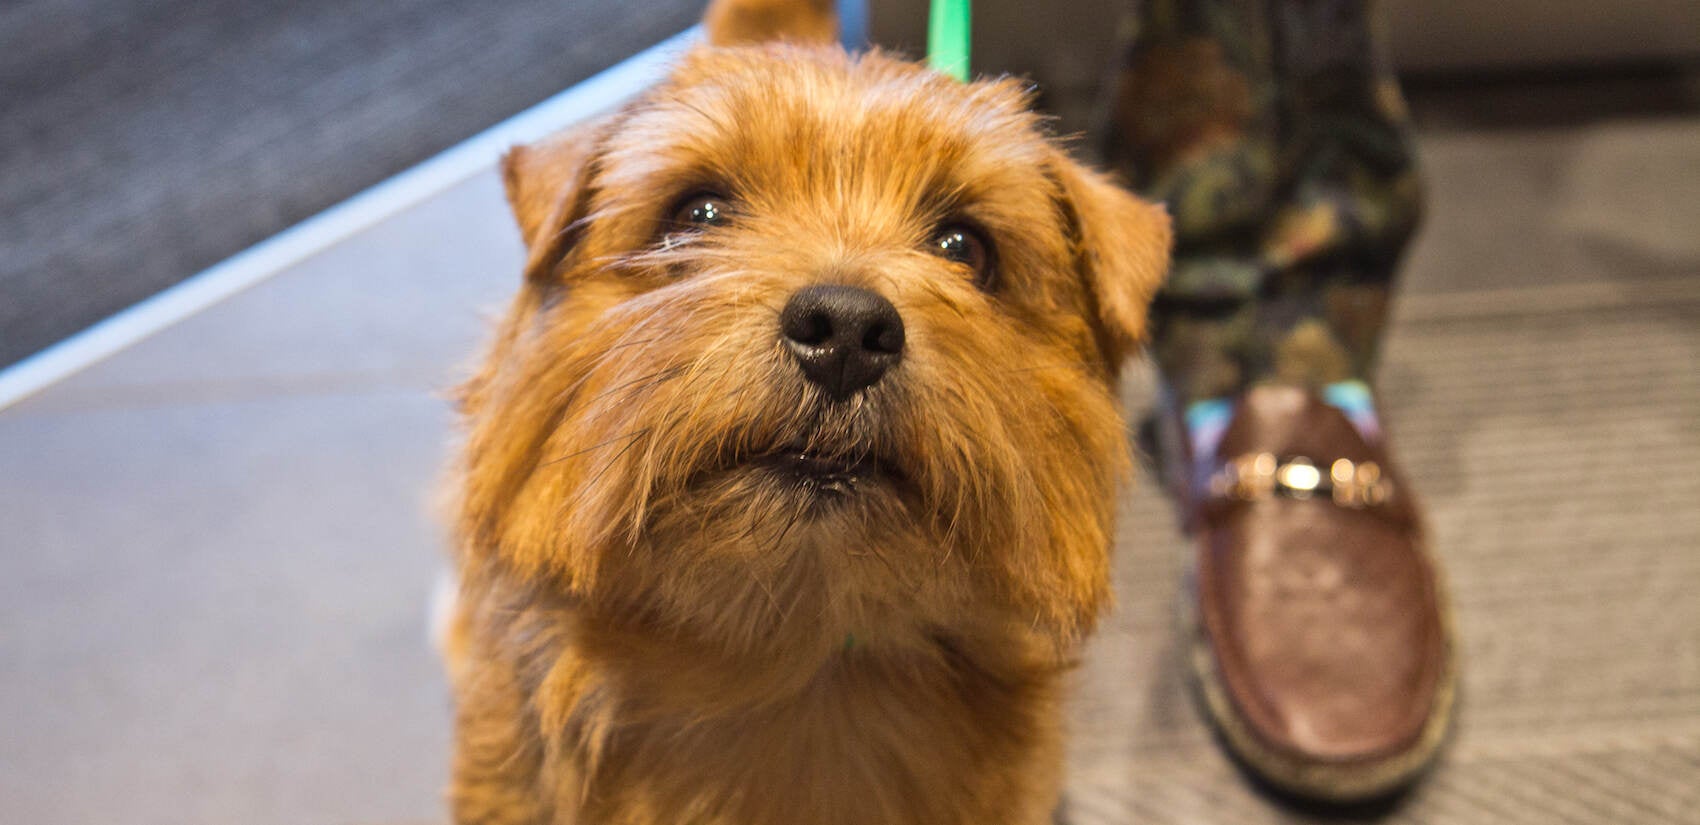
598 94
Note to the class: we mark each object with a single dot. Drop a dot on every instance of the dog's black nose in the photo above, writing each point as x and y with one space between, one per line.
844 337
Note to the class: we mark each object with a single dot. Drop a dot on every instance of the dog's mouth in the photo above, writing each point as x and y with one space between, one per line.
828 473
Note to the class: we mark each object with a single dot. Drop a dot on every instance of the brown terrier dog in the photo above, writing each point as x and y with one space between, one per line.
789 486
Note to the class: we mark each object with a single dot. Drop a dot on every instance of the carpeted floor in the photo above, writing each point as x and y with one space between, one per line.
1553 434
142 141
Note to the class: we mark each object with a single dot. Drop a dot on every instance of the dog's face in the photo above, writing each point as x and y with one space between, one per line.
812 346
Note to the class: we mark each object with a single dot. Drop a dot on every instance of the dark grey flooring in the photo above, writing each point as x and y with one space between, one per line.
143 140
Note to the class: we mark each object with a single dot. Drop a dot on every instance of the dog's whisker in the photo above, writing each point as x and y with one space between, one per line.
767 590
597 446
608 465
639 384
1051 366
566 397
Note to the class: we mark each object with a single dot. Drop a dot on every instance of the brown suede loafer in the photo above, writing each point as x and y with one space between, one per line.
1323 651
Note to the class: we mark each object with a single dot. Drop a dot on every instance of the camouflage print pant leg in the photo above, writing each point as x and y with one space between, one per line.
1275 132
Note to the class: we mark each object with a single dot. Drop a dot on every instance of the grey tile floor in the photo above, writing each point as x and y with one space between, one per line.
144 140
216 547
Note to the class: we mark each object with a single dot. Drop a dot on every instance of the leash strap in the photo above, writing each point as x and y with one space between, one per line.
947 38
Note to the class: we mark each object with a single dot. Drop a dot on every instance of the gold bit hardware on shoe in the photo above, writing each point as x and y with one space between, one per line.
1255 476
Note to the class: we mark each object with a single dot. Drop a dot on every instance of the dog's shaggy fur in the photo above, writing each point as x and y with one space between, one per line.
653 625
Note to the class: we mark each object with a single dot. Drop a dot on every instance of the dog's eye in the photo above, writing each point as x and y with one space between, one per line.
700 210
966 246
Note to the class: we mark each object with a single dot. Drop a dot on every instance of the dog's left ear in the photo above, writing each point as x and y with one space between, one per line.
737 22
548 185
1122 247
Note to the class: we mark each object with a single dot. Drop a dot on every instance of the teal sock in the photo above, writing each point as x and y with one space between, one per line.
1353 399
1207 420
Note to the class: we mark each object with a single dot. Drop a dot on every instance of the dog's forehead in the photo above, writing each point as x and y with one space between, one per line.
780 117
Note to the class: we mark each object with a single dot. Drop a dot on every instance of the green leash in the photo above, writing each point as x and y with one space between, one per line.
947 38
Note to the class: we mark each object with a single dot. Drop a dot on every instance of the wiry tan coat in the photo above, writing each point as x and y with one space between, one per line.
652 630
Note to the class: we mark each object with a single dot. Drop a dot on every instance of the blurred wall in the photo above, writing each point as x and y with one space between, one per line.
1424 34
1067 44
1064 44
1454 34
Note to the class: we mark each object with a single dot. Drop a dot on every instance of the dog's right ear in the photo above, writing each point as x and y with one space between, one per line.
736 22
549 187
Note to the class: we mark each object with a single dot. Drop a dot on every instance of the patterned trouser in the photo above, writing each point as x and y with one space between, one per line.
1275 132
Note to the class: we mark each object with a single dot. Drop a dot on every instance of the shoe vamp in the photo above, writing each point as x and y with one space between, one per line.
1325 627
